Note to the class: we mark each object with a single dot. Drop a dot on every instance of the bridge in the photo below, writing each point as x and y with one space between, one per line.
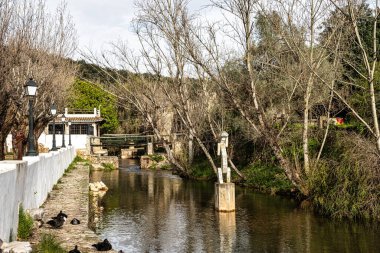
100 145
121 140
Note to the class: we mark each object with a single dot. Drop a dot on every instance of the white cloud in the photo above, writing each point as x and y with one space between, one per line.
99 22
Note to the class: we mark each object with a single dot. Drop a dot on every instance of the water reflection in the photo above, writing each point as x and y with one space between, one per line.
147 211
227 231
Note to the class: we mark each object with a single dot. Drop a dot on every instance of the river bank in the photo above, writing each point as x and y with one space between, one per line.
156 211
71 195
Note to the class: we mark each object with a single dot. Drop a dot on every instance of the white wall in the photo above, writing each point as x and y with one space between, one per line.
28 182
78 141
8 143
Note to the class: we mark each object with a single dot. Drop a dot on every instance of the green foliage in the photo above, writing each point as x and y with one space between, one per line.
345 183
201 169
157 158
25 224
74 163
49 244
344 191
86 95
108 166
267 178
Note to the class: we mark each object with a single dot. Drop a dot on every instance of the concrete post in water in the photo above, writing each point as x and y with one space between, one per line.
224 189
149 148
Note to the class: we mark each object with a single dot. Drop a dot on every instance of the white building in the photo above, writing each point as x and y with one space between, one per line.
83 123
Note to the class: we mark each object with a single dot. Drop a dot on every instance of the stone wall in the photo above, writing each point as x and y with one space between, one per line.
28 182
97 161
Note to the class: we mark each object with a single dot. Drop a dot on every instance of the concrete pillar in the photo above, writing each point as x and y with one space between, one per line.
128 153
177 148
225 197
149 148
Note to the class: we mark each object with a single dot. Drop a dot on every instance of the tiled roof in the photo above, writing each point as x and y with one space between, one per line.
80 119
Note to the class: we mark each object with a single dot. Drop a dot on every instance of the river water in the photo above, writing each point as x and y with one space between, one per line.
148 211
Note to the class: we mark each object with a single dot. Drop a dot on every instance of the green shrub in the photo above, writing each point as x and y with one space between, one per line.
201 169
49 244
108 166
345 190
346 182
25 224
157 158
267 178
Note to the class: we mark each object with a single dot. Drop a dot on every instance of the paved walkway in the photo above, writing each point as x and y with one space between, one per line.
71 196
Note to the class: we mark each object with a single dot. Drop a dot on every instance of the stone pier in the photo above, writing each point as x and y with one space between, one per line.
71 196
225 197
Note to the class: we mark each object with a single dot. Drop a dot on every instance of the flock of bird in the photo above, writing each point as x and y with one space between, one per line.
59 220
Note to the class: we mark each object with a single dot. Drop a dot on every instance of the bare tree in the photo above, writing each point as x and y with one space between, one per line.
35 44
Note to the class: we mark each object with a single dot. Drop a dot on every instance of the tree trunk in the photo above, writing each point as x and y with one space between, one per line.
19 143
191 149
2 147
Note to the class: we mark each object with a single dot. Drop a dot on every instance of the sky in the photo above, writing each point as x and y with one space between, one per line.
99 22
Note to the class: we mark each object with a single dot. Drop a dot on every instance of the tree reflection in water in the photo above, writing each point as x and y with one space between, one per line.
154 211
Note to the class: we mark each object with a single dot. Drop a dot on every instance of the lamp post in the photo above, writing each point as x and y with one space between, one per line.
30 91
63 118
69 123
53 110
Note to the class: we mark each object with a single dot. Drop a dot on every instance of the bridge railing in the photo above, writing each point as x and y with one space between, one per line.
126 140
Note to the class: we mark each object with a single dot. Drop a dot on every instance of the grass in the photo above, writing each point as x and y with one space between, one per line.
49 244
201 169
25 224
345 190
74 163
108 166
269 179
157 158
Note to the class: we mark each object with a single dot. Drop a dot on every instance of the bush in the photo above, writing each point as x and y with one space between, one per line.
25 224
345 184
201 169
267 178
108 166
157 158
49 244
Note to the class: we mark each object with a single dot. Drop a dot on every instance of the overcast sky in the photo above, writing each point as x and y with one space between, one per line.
101 21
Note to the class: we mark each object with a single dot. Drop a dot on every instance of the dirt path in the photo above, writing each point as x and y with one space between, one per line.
71 196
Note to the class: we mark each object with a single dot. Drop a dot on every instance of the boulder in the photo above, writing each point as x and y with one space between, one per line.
17 247
36 214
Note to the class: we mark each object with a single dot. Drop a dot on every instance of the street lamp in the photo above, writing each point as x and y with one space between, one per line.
53 110
30 91
69 123
63 118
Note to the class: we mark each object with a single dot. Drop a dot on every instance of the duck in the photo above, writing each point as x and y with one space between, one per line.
103 246
75 250
57 222
75 221
61 214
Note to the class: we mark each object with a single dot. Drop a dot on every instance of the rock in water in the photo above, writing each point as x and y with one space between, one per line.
75 250
103 246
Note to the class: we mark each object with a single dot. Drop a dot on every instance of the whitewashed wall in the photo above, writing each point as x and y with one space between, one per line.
28 182
78 141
